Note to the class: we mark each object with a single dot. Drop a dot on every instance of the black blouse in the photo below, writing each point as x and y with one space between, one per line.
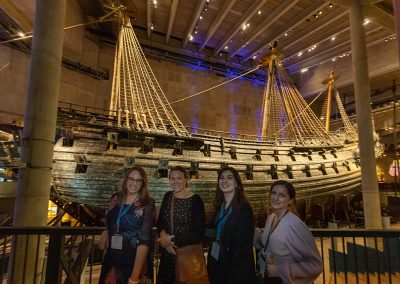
189 219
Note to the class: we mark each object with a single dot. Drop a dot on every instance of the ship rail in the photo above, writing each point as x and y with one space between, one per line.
107 117
350 255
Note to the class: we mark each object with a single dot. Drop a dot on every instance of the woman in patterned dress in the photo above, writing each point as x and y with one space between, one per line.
129 222
188 218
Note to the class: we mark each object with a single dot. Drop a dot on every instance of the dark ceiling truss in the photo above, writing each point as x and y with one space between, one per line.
10 30
296 24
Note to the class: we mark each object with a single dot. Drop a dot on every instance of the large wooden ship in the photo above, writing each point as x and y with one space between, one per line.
96 147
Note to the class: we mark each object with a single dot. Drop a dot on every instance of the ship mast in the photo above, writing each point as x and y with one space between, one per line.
331 80
270 62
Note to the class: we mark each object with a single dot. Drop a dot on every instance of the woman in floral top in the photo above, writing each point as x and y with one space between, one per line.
129 221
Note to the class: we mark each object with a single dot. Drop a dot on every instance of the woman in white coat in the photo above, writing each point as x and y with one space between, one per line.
288 253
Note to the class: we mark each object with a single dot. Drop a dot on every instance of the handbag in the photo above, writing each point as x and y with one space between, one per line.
190 266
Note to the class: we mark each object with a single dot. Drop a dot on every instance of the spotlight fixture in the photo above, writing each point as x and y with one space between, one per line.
259 12
330 5
304 70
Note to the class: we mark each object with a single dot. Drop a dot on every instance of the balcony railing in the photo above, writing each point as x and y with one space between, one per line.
72 256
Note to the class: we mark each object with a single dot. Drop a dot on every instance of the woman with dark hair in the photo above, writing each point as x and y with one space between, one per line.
288 253
230 257
129 221
180 223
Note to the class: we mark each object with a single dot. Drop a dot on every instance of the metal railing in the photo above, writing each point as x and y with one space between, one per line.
349 255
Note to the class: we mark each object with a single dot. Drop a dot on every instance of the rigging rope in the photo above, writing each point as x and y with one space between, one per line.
300 113
216 86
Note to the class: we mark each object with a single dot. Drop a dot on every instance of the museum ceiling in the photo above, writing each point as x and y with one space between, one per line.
235 34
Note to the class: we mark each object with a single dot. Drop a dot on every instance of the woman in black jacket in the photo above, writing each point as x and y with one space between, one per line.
230 258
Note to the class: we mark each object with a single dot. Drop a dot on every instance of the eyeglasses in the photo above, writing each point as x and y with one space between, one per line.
133 180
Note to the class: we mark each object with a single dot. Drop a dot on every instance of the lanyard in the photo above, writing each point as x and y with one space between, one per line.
223 217
273 229
122 211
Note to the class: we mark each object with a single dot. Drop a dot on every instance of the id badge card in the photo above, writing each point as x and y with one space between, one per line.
116 241
261 264
215 249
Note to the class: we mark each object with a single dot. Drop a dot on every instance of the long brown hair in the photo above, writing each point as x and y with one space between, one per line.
290 191
239 196
143 192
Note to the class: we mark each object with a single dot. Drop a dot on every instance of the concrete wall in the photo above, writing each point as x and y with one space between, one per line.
234 107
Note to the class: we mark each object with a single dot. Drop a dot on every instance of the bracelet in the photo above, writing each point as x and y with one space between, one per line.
133 282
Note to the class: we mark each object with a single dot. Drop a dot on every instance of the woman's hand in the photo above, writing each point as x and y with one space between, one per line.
165 240
103 243
271 270
171 250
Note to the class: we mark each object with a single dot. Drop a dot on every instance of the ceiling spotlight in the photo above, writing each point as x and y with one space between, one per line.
259 12
304 70
226 47
21 34
248 25
330 5
314 46
299 54
320 12
334 59
201 18
155 2
333 38
366 22
285 34
195 32
255 56
191 37
152 27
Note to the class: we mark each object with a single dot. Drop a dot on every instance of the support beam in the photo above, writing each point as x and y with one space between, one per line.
336 49
275 15
33 188
193 21
251 11
315 6
396 8
317 26
333 53
340 31
369 183
11 9
372 12
172 14
218 20
149 16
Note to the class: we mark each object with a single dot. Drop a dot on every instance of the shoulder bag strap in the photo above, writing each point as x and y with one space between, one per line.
171 214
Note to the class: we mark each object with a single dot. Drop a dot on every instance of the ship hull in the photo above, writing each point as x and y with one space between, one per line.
88 166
